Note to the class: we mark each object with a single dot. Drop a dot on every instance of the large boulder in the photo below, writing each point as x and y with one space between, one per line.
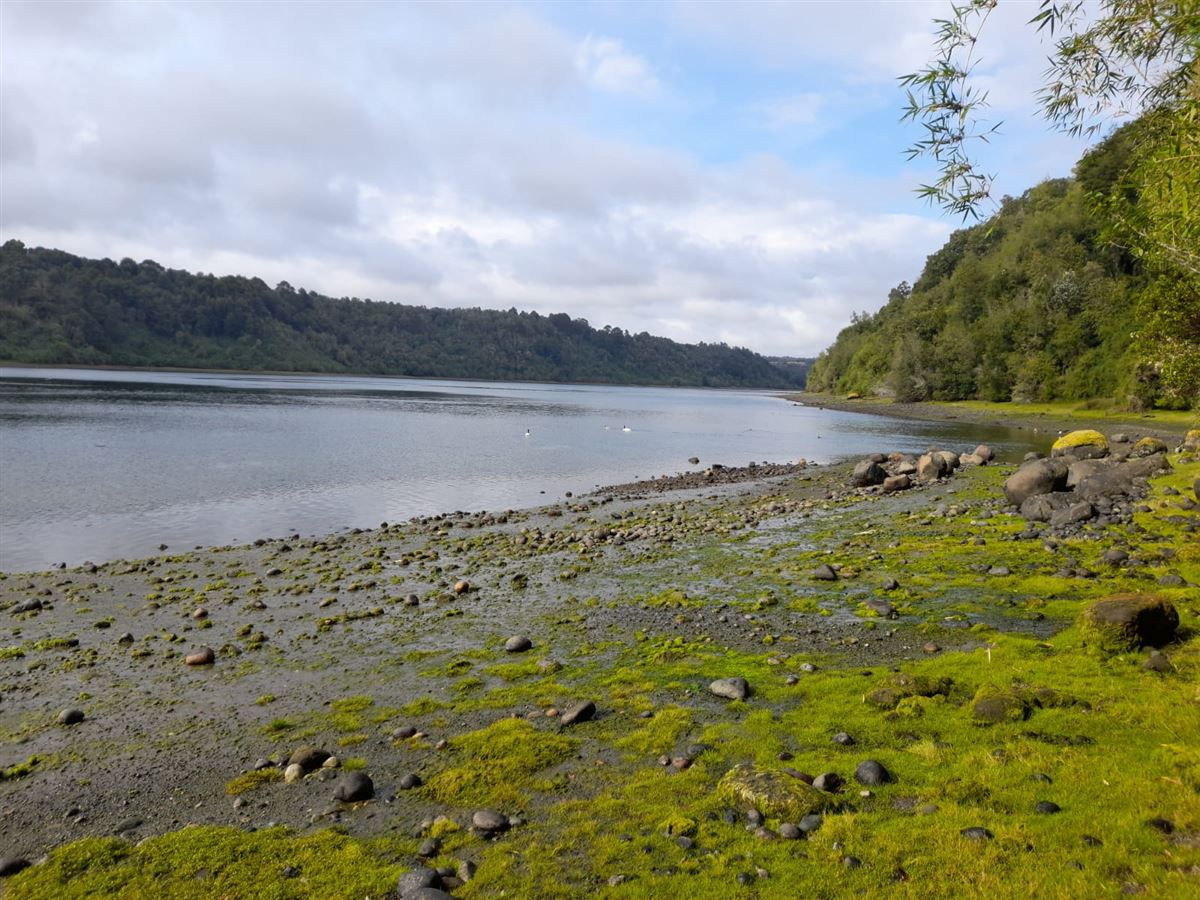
1119 479
1040 507
772 793
868 472
1083 468
1192 440
1083 444
1073 514
931 467
1038 476
1126 622
949 457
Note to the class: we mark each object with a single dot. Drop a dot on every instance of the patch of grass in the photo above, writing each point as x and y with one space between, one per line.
492 765
250 781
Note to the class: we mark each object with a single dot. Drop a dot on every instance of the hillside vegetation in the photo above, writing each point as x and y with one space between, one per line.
1036 304
56 308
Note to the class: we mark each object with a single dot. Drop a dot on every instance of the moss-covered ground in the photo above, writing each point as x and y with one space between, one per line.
629 804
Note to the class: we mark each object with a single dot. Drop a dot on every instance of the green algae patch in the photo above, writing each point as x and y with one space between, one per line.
495 763
660 733
204 862
772 793
252 781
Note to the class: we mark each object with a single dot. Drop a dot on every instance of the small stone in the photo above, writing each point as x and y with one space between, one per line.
824 572
754 818
240 803
429 847
461 587
579 712
309 758
685 842
842 739
293 773
70 717
1047 807
489 821
465 871
410 781
790 832
332 763
517 644
730 688
403 734
354 787
851 862
976 833
199 613
1156 661
810 823
202 657
829 781
931 648
416 879
870 773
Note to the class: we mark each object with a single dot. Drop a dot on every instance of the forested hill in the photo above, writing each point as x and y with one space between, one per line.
1033 304
56 308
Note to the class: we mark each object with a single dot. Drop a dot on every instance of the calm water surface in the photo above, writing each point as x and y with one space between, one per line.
96 465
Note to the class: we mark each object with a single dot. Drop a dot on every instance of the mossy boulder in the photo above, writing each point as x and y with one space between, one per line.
1127 622
1148 446
1191 440
772 793
1085 443
903 685
993 706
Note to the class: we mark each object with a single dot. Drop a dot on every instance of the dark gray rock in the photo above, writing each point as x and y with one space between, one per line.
870 773
429 847
11 865
824 572
70 717
1047 807
354 787
843 739
1073 514
1040 507
1041 476
828 781
976 833
810 823
790 832
517 644
489 821
410 781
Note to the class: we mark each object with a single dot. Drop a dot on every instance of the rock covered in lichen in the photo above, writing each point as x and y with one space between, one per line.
771 792
1086 443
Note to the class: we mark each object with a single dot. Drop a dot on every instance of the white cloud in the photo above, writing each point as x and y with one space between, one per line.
606 65
801 111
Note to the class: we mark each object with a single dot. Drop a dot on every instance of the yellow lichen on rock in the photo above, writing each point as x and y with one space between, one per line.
772 793
1072 441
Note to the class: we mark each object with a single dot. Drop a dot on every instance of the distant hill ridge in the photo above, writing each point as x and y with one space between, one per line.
56 308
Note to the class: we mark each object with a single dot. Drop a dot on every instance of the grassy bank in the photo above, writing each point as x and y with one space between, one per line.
643 800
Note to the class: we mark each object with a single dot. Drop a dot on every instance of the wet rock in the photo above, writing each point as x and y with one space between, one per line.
824 572
201 657
870 773
579 712
11 865
1129 621
517 644
730 688
354 787
489 821
70 717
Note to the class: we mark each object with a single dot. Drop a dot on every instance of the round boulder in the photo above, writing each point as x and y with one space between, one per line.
70 717
354 787
730 688
871 773
517 644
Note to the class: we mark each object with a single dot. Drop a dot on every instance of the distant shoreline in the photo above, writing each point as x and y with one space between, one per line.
1168 424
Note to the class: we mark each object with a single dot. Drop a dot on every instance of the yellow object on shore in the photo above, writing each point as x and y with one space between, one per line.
1085 437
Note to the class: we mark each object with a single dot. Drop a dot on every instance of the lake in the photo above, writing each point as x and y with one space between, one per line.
103 464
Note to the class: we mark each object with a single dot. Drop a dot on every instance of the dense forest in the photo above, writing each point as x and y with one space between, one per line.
1037 303
56 308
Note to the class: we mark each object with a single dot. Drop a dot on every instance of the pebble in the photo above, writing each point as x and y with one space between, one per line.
579 712
730 688
202 657
489 821
70 717
461 587
517 644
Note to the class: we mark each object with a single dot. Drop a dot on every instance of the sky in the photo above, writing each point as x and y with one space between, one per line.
705 171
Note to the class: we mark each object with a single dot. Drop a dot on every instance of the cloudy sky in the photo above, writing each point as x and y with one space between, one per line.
706 171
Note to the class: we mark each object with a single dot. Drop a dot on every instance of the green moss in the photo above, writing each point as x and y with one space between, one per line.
20 769
1084 437
206 862
250 781
660 733
11 653
493 764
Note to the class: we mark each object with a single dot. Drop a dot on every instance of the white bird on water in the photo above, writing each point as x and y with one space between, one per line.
626 428
526 432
